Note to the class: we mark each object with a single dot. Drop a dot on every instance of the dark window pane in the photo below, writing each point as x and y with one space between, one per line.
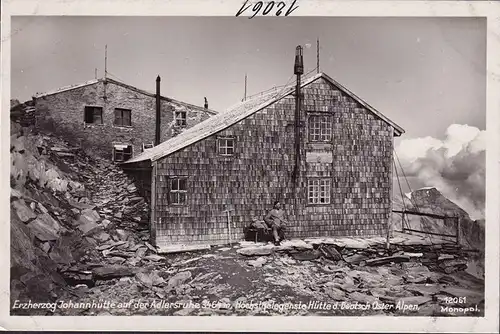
173 198
118 117
182 184
127 117
182 198
89 115
174 184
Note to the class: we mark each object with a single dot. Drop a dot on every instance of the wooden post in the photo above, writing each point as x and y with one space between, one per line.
458 229
402 222
229 226
391 193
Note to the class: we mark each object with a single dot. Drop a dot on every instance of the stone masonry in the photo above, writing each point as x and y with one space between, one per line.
63 113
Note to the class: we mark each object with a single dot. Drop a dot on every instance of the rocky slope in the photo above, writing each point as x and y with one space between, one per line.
64 205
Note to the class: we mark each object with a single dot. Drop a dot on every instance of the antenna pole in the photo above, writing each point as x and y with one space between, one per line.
95 74
245 97
317 56
106 61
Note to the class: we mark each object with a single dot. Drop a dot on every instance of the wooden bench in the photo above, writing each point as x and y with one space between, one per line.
260 234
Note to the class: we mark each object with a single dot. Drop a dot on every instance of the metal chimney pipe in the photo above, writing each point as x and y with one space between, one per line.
158 112
298 70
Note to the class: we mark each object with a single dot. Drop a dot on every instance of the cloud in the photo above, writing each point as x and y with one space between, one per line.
455 165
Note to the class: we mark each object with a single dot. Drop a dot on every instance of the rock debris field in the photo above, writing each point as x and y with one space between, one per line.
79 240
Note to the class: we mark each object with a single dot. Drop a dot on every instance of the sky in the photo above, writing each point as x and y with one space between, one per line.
423 73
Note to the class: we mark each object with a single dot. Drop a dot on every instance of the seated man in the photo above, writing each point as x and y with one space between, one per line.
276 222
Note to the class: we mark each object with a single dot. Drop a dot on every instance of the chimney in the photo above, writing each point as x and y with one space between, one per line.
206 103
158 112
298 70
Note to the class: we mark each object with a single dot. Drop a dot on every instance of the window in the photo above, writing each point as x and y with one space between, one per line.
178 190
320 128
122 152
93 115
225 145
318 191
180 118
123 117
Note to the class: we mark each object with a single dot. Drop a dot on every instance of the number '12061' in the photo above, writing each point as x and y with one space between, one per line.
268 8
455 300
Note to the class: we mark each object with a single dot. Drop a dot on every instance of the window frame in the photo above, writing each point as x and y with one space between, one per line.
176 193
324 128
314 192
122 110
94 109
220 139
183 119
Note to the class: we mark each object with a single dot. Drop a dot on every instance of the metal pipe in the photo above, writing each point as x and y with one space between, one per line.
158 112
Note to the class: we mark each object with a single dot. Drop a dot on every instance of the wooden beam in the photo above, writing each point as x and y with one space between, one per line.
432 215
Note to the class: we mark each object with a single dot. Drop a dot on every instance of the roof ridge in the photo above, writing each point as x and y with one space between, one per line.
237 113
118 82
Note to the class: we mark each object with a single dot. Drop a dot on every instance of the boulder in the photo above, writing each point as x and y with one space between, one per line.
334 293
89 215
42 208
101 236
140 252
58 185
178 279
259 262
45 228
362 298
113 271
329 252
87 227
307 255
23 211
154 257
14 193
255 251
122 234
150 279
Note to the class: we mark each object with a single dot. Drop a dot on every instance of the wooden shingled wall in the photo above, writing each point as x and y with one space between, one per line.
260 171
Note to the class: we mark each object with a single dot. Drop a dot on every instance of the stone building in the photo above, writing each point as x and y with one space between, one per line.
113 119
332 169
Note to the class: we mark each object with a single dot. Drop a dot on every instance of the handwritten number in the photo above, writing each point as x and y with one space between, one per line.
291 9
256 9
243 9
278 12
269 6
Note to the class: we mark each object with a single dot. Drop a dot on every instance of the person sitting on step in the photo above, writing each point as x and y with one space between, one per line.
276 222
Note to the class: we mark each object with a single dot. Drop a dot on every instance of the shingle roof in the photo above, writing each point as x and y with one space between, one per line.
236 114
119 83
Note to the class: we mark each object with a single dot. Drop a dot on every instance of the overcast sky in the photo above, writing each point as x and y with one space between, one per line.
423 73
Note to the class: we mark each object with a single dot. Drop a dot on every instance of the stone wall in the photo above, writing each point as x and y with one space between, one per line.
63 113
357 161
